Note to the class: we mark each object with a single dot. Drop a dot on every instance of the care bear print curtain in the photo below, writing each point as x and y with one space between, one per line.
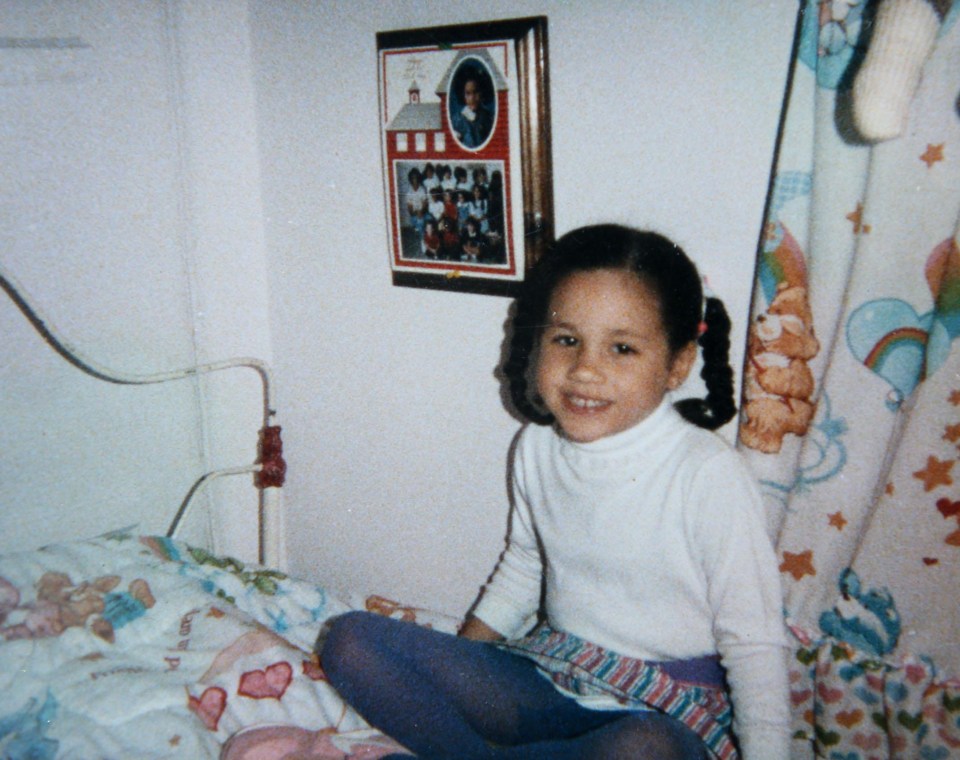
851 408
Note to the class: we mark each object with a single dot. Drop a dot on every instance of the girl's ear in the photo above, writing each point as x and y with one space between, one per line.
683 362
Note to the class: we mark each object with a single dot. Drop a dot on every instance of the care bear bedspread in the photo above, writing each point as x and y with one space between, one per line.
133 647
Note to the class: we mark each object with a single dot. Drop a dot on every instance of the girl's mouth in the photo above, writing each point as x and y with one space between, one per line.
582 404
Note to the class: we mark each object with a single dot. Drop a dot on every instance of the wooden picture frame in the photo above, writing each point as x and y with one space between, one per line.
465 109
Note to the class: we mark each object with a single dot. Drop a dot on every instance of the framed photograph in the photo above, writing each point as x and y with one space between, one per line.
465 128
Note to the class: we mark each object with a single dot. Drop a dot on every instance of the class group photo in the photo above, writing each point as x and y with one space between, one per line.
452 211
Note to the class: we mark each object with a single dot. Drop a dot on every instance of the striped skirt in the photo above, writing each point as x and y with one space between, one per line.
691 691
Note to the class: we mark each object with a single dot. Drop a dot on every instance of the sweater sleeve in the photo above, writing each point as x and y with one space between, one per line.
743 583
511 599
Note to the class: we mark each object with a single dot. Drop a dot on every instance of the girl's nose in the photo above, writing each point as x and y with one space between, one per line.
586 368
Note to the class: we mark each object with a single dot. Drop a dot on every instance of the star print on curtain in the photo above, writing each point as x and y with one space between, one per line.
851 405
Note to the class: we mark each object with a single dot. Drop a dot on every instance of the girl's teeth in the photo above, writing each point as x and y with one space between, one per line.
587 403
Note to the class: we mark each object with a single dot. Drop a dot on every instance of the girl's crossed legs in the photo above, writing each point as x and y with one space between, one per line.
443 696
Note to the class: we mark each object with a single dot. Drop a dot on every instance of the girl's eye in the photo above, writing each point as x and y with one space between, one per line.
565 340
623 349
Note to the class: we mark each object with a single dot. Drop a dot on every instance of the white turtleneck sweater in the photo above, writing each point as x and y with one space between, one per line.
651 543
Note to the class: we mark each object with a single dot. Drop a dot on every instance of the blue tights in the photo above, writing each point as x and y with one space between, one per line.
447 697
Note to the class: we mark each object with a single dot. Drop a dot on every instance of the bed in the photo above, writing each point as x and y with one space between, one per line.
125 645
144 646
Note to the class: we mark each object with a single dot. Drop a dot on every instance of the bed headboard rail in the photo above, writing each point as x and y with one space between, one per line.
269 468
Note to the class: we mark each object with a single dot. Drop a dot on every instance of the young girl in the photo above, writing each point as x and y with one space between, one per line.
463 207
471 240
478 207
435 204
450 211
431 239
637 540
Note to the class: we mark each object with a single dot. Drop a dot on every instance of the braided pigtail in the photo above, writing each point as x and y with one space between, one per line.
718 408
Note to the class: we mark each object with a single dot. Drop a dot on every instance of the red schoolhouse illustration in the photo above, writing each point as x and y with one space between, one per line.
447 160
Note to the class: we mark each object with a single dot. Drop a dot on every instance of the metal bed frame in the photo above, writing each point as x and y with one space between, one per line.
269 468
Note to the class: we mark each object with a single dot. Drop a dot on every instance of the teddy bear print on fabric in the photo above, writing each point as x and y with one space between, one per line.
832 37
778 383
61 604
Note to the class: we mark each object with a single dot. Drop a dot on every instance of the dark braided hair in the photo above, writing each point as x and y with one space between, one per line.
662 266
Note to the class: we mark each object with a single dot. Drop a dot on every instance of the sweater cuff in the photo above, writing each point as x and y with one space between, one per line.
904 34
505 618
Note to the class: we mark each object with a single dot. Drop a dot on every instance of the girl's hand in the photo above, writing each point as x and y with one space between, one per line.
474 628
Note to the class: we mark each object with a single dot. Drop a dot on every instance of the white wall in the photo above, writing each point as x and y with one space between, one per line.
130 212
664 115
205 180
88 167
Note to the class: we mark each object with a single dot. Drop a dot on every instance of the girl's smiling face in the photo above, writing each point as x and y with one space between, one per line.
604 363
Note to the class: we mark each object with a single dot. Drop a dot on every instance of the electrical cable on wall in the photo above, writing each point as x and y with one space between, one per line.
269 469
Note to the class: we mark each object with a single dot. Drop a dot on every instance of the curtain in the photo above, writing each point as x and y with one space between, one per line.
851 402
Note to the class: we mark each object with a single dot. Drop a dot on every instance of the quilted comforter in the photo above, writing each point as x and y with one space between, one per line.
139 647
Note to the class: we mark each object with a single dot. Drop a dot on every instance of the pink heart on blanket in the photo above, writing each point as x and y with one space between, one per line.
266 684
829 695
875 683
210 706
915 673
799 697
867 741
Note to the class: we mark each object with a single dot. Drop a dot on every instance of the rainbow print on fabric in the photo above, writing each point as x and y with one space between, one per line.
782 265
911 339
904 348
781 261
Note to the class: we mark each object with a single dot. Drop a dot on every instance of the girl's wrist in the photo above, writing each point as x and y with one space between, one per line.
474 628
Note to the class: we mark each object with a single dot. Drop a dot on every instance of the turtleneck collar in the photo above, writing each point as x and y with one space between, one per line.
628 442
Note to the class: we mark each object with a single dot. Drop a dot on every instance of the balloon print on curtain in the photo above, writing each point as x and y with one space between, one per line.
903 347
